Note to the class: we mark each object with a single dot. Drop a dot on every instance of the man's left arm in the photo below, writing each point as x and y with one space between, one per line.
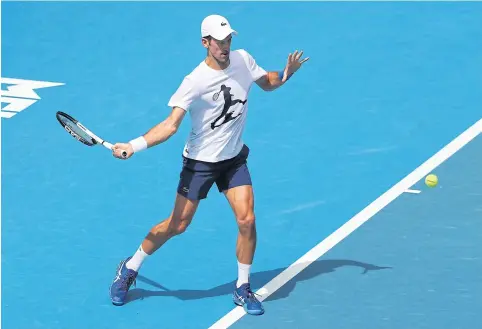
273 80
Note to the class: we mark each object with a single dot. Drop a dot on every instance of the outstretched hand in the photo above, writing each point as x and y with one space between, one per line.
293 64
119 148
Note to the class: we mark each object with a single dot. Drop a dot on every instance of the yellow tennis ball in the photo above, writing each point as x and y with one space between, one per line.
431 180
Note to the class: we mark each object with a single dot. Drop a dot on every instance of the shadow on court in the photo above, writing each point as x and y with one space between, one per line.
257 279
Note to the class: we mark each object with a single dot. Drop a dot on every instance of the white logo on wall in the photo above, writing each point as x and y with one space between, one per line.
20 94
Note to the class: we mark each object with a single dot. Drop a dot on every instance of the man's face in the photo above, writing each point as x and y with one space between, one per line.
219 48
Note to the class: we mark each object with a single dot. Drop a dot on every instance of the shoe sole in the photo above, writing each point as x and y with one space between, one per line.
261 312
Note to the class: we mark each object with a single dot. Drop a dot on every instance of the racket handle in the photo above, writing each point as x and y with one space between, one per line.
107 145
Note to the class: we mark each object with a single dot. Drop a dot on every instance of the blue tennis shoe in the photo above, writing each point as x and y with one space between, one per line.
122 282
243 296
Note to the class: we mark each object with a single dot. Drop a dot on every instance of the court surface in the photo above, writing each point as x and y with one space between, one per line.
388 85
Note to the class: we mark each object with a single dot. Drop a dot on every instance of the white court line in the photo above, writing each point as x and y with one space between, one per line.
412 191
355 222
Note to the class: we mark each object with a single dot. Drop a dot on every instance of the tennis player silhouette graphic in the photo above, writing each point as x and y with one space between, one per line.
228 102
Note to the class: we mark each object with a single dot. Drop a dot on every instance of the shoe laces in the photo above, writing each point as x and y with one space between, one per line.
252 295
130 279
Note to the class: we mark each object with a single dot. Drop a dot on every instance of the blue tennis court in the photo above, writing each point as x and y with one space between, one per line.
388 85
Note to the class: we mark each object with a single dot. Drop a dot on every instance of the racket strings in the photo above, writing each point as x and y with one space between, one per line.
75 131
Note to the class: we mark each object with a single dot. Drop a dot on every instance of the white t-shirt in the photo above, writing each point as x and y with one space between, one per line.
217 101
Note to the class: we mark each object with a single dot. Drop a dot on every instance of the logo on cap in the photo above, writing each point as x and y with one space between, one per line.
223 24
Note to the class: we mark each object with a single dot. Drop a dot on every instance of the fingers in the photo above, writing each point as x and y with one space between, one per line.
293 64
289 59
121 151
295 57
116 149
292 57
116 146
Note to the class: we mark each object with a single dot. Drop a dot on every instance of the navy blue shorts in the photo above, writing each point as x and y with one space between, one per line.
197 177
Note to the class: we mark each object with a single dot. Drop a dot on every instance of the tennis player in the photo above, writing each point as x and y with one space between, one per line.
215 94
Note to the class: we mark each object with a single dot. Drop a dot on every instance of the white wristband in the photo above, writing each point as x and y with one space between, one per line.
138 144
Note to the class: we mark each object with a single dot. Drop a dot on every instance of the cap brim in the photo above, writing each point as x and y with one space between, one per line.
224 34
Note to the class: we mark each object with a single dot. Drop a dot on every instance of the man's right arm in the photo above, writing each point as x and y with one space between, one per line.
156 135
164 130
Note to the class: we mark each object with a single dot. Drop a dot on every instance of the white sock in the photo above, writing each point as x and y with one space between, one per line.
136 261
243 274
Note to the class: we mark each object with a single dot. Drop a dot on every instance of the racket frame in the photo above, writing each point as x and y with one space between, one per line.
94 138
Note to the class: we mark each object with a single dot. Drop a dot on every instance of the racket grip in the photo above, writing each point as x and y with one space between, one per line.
107 145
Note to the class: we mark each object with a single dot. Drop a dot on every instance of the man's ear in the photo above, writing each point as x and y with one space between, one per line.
205 42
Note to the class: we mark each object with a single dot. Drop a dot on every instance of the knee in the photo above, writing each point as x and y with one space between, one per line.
178 226
246 222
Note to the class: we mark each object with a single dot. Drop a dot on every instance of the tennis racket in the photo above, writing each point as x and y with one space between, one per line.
81 133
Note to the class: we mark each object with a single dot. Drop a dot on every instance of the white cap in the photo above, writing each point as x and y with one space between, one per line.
216 26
